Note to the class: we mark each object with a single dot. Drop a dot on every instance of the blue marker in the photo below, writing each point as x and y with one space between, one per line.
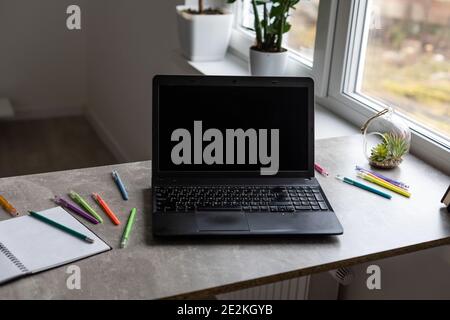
363 186
120 185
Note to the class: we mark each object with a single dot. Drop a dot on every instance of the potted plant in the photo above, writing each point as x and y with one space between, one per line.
204 32
389 152
387 139
267 56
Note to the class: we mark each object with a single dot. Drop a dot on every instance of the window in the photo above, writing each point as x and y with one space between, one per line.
404 60
302 36
366 54
382 47
407 59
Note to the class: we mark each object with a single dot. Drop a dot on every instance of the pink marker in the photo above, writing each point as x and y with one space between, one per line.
320 170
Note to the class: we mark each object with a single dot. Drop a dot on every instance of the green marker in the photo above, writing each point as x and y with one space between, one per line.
61 227
79 200
127 231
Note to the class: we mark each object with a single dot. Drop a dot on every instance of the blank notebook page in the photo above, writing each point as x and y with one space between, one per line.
39 246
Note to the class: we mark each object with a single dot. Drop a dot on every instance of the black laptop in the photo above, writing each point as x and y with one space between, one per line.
234 156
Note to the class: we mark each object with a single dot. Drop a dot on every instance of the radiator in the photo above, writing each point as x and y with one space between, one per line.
293 289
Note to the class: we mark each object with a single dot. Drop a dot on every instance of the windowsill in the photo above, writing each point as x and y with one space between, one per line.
328 125
230 66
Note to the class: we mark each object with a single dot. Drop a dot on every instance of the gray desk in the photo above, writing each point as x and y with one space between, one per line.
375 228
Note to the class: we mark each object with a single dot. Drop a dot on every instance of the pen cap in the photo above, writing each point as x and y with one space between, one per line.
362 174
73 194
57 200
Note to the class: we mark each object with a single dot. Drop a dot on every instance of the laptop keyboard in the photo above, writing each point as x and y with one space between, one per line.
239 198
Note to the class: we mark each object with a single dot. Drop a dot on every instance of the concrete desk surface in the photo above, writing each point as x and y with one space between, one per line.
374 228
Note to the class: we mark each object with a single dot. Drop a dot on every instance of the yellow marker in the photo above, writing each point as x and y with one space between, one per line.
8 207
384 184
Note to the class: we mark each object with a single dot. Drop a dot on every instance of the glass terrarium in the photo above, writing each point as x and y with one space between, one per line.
387 139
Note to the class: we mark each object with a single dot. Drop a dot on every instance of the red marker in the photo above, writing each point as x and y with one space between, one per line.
320 170
106 208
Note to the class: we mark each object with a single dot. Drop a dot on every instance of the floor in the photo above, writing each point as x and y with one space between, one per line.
37 146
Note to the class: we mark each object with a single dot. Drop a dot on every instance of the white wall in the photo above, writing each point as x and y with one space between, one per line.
128 43
105 69
42 64
420 275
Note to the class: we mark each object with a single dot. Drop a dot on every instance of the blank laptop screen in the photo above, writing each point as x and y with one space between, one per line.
224 109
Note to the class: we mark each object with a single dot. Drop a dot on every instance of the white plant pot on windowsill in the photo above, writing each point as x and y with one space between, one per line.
204 37
268 63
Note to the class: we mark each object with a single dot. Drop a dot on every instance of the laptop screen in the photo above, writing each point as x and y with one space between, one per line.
262 130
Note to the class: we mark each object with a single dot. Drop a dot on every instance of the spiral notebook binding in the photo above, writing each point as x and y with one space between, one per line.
9 255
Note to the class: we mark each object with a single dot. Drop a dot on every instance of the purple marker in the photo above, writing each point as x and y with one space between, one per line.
379 175
63 203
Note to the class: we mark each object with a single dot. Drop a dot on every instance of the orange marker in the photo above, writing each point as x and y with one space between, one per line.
8 207
105 208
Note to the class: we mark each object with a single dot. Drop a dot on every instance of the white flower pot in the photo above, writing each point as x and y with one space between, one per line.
204 37
268 63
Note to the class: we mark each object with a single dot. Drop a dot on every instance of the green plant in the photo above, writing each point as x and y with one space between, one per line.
379 153
273 25
392 148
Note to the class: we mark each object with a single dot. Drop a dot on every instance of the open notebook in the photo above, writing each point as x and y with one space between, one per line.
28 245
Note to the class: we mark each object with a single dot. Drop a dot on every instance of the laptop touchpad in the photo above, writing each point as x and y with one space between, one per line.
221 221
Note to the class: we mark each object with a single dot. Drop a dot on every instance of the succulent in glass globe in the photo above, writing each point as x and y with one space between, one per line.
387 140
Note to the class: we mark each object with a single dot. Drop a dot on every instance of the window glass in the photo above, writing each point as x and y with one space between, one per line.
301 38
